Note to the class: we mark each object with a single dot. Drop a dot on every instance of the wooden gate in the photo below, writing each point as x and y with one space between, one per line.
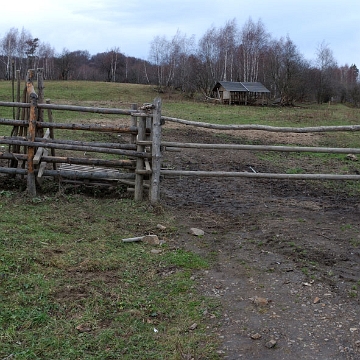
32 138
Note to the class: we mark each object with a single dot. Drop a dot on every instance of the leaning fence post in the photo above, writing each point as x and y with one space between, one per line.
156 153
50 119
31 184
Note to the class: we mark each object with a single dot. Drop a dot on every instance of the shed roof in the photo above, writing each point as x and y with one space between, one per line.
242 86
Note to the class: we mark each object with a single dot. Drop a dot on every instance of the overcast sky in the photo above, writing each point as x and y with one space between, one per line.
131 25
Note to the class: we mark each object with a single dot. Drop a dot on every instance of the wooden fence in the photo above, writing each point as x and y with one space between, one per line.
141 157
319 129
29 144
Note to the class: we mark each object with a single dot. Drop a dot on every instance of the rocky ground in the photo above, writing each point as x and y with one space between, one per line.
285 253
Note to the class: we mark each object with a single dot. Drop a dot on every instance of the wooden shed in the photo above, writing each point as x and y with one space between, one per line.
230 92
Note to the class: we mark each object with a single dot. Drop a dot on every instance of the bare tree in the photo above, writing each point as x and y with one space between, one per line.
181 49
285 66
114 62
254 40
24 37
8 49
65 64
46 60
227 46
325 66
209 56
159 57
171 59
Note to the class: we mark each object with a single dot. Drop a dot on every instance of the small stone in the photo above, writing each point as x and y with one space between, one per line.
316 300
196 232
271 343
259 301
151 239
352 157
256 336
353 329
83 328
156 251
161 227
193 326
357 343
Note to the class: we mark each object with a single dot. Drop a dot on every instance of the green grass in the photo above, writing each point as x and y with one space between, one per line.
102 94
71 289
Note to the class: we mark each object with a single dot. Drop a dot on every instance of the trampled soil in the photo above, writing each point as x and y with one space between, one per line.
285 253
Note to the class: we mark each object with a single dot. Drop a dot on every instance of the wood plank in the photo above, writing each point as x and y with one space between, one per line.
40 150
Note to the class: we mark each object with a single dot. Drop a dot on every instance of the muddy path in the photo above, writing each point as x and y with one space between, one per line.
285 253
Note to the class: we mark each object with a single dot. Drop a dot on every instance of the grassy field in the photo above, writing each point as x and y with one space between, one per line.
71 289
176 105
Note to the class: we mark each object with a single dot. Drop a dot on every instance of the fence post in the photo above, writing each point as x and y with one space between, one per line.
50 119
31 184
133 122
139 178
40 93
156 153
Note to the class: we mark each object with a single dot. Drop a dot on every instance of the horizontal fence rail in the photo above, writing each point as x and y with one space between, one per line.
72 160
265 127
97 149
65 126
90 109
259 175
177 145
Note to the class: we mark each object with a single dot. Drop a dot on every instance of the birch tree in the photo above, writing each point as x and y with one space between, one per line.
227 47
46 60
114 56
23 39
181 50
8 49
159 57
254 40
209 55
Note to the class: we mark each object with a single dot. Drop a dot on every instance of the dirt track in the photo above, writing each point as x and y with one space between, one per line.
286 254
